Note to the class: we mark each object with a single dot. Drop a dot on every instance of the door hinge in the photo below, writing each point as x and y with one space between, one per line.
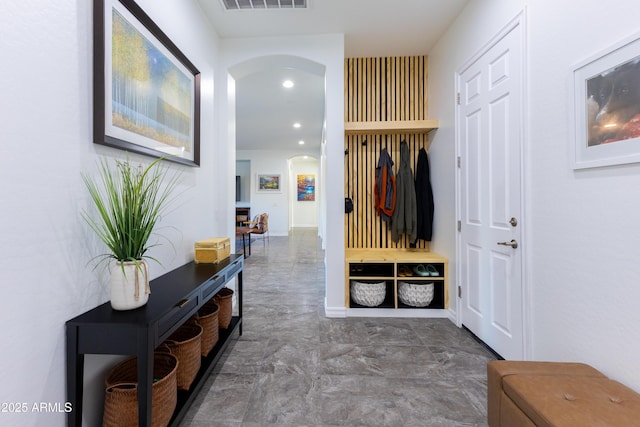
459 291
459 162
459 225
458 98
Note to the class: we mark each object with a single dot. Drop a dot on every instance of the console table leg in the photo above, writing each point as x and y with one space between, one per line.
145 380
75 377
240 298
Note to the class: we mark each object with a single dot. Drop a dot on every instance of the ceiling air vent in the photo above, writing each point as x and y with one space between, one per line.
264 4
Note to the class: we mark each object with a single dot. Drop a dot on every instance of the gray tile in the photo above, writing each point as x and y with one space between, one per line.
343 331
284 356
226 399
293 367
245 358
284 399
441 402
349 359
354 400
390 331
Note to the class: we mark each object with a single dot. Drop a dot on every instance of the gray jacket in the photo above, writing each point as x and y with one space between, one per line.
405 216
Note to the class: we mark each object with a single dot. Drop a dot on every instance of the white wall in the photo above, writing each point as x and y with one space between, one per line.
304 213
243 170
582 237
46 135
276 203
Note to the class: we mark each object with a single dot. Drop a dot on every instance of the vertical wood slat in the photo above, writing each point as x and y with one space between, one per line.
412 86
402 83
421 112
379 89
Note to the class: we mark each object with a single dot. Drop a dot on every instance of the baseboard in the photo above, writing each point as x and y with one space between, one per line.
335 312
453 316
400 313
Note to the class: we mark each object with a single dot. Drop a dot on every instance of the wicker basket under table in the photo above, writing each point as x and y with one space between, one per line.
207 317
121 395
224 300
186 343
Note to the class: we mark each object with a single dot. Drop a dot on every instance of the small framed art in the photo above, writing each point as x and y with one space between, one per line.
268 183
306 188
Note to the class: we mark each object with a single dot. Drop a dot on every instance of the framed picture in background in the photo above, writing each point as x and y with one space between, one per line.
268 183
306 188
146 91
606 106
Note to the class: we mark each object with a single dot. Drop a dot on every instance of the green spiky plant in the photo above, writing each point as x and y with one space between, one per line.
130 201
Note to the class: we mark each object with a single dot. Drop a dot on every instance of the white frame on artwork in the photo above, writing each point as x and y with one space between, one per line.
268 183
617 150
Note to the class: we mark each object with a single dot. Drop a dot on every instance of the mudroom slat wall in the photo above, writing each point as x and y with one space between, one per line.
379 90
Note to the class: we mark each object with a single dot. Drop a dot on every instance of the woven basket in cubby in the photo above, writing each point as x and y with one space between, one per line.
369 294
417 294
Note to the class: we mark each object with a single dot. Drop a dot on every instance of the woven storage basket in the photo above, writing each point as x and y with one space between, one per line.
224 301
185 344
367 293
415 294
208 318
121 395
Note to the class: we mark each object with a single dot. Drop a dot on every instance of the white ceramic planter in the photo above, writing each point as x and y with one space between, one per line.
131 289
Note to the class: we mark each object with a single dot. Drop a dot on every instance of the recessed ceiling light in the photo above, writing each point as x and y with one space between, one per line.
296 125
288 84
301 142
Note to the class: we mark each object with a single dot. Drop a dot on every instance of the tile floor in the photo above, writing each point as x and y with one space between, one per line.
294 367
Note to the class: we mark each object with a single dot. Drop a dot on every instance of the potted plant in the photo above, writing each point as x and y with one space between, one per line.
129 201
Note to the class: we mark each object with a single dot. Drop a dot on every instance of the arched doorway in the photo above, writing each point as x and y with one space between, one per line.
274 124
305 192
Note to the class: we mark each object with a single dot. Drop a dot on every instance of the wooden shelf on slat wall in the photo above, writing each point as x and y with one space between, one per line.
390 127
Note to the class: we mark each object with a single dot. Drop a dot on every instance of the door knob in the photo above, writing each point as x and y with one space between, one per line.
513 222
512 243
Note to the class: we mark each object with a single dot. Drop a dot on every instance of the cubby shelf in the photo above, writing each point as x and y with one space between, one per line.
388 265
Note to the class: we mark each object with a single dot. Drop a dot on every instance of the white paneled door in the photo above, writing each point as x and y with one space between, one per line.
489 126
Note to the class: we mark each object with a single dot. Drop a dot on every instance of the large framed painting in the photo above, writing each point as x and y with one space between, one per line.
606 106
146 91
268 183
306 188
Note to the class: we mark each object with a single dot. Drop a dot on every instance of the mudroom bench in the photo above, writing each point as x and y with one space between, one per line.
394 266
556 394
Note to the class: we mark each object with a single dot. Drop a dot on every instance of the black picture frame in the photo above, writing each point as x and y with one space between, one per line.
151 69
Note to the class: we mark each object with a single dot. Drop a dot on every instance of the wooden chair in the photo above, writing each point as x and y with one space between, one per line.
241 219
260 226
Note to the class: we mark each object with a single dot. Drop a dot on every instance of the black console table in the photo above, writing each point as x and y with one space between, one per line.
175 297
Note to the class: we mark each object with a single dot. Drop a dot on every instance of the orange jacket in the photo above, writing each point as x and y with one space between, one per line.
385 187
